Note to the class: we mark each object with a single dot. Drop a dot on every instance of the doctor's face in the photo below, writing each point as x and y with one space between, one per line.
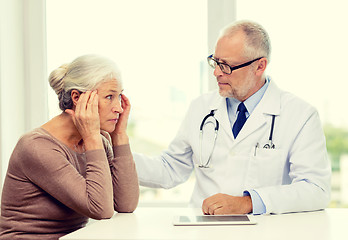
242 82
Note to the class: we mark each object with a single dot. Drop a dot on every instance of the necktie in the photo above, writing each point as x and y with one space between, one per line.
238 124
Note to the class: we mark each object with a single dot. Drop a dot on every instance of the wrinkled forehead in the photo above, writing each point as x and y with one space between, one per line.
110 85
229 47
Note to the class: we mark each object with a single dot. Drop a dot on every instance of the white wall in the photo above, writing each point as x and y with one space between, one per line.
23 91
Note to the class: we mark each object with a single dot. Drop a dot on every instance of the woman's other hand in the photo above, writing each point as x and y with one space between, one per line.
119 135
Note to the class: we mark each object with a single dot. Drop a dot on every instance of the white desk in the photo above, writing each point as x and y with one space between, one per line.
156 223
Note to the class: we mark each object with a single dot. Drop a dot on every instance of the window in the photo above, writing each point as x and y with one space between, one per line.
160 47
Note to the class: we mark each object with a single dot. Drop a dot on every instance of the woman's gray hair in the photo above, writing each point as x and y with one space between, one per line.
83 74
257 42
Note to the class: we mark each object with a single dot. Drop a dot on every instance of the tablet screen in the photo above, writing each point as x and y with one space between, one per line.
212 220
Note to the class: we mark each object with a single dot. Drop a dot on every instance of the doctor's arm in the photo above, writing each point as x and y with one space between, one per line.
172 167
164 171
220 203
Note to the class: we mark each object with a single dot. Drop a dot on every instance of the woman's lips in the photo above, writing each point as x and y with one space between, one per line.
114 120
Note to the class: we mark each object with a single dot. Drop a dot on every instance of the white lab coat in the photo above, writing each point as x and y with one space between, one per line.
293 177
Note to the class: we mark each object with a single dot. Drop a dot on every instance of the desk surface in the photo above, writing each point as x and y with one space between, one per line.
156 223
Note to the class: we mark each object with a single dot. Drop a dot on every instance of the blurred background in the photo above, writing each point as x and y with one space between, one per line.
161 48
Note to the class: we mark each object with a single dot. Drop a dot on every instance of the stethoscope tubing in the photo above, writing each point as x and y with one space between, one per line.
211 114
272 127
270 143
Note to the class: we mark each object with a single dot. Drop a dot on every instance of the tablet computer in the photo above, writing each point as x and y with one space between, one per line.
212 220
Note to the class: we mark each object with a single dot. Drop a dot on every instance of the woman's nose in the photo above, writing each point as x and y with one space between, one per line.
117 108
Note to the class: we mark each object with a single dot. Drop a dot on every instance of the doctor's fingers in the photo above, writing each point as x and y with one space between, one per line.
211 209
214 209
209 205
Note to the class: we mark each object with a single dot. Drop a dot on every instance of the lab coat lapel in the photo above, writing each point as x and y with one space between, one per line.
269 105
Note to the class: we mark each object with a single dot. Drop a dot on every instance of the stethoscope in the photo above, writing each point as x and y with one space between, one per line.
211 114
269 145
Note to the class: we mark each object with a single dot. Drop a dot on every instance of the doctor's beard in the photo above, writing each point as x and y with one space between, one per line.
241 92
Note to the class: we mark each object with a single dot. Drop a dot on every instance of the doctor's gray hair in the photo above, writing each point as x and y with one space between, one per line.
257 43
83 74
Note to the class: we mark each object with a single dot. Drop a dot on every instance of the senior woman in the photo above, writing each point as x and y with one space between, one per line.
76 166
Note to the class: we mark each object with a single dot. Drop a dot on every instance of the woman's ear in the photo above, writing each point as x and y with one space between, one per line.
75 95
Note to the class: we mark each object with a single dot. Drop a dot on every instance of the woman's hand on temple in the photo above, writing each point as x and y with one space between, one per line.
86 119
119 135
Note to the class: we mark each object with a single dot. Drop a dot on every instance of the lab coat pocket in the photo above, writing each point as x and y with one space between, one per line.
266 167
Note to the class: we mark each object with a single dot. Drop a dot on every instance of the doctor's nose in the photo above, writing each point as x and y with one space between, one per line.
217 71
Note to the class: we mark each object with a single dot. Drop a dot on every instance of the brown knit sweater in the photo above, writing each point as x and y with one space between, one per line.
51 190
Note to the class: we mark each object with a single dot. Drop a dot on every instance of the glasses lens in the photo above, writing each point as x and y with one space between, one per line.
211 62
225 68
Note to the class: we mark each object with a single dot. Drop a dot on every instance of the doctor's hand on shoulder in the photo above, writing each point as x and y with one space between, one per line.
226 204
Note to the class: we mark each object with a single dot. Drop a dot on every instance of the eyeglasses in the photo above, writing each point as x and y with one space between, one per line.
225 68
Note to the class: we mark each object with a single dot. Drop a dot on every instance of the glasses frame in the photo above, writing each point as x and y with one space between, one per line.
211 58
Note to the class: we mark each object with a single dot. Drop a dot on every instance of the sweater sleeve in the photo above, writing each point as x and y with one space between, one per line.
124 179
47 165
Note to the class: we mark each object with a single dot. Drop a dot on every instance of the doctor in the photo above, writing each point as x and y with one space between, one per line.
261 149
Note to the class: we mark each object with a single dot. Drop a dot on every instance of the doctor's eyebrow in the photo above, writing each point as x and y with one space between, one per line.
224 61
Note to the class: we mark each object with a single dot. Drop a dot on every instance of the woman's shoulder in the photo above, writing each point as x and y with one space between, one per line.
37 142
34 148
37 135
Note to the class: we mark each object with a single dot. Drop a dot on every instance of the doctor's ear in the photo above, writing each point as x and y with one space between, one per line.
75 95
261 67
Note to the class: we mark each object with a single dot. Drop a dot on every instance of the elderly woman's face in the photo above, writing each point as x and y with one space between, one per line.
109 105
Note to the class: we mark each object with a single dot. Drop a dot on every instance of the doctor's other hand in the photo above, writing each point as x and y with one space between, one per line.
226 204
119 135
